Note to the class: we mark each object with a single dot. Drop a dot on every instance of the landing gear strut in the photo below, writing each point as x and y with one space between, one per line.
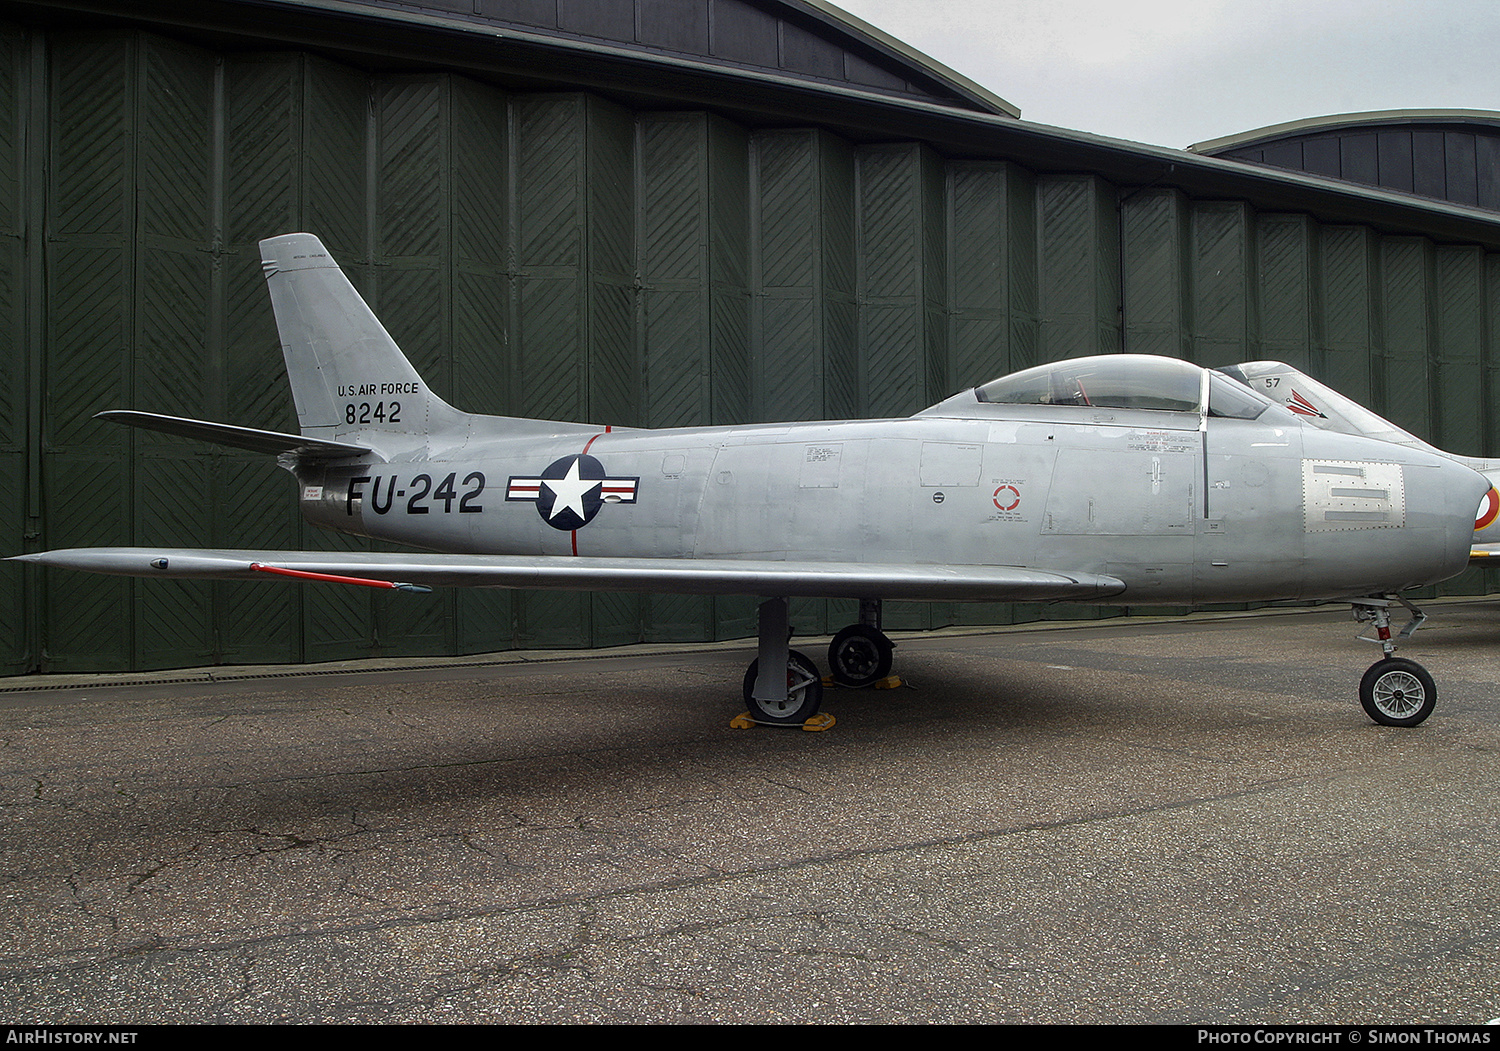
781 685
861 654
1394 691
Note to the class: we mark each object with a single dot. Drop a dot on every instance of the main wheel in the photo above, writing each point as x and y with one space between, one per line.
859 655
804 692
1397 692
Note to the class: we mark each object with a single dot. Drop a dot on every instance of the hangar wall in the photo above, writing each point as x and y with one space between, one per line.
556 255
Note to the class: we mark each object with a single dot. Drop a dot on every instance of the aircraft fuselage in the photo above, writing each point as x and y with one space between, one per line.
1181 508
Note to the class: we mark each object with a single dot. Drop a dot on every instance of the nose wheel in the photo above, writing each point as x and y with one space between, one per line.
1397 692
1394 691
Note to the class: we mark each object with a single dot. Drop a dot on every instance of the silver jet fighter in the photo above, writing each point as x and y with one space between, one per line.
1122 479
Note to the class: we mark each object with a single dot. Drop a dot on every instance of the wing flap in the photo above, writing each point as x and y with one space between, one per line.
651 575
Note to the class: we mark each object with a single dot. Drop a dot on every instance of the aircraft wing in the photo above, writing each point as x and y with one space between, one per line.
1481 553
659 575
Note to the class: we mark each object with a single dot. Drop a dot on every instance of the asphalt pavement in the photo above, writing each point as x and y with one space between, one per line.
1179 821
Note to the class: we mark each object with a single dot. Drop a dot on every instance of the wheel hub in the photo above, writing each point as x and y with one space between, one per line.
860 656
1398 693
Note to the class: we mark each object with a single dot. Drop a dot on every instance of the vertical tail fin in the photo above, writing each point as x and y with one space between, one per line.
350 381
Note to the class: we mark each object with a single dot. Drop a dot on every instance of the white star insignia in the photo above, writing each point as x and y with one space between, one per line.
568 492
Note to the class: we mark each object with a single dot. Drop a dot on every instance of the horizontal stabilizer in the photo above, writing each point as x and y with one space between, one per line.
665 575
273 443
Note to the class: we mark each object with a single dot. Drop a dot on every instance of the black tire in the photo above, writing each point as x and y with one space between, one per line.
804 692
1397 692
859 655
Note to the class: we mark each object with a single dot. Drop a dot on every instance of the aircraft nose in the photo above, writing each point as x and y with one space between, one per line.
1357 489
1464 491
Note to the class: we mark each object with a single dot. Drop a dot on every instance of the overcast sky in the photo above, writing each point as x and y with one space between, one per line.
1175 72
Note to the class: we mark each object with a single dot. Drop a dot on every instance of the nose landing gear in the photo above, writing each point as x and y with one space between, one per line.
1394 691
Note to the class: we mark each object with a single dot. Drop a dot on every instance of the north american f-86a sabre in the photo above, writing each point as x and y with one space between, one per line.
1122 479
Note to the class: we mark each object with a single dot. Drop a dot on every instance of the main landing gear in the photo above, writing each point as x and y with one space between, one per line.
860 655
783 687
1395 691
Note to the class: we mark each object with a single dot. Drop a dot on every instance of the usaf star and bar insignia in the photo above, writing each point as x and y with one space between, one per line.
569 493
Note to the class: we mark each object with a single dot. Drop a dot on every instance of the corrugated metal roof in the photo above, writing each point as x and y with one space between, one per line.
797 37
1451 155
1339 121
884 40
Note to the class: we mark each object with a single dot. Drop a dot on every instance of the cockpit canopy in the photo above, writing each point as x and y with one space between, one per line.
1127 381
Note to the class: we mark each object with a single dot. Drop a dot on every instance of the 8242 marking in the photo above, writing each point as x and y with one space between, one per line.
380 412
